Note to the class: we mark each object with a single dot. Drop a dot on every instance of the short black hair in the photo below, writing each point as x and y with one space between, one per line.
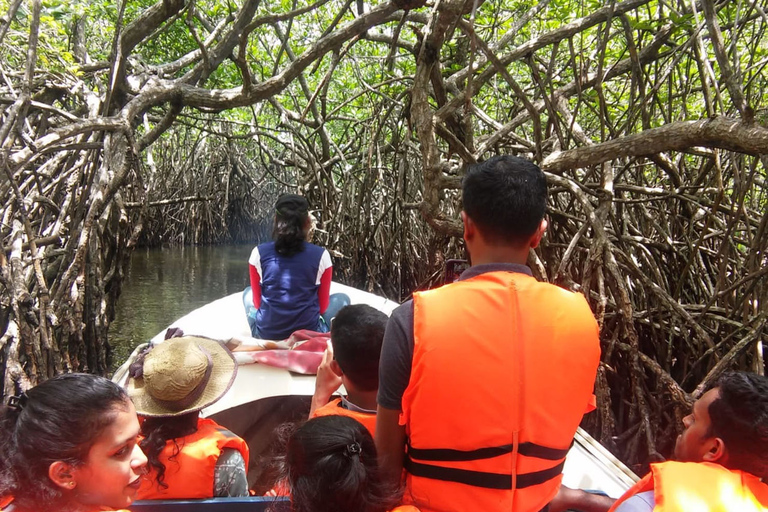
739 416
357 332
506 197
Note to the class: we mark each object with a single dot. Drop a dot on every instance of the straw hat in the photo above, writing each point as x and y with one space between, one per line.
181 375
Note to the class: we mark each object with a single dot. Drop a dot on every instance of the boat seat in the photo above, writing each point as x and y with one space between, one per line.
247 504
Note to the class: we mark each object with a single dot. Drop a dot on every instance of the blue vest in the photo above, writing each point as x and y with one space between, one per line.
288 291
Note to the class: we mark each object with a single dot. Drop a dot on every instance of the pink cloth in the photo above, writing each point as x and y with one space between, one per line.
304 356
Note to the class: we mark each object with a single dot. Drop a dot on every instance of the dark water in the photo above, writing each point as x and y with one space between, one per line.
166 283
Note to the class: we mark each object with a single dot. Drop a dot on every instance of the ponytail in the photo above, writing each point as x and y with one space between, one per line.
291 216
331 466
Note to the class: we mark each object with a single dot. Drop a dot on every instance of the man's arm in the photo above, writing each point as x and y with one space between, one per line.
576 499
390 443
394 374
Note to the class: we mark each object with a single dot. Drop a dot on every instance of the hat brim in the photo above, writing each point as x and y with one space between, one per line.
222 377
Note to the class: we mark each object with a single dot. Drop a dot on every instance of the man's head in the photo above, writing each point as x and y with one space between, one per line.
729 425
505 197
357 332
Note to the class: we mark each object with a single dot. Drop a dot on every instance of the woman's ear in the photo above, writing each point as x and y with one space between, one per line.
716 452
62 474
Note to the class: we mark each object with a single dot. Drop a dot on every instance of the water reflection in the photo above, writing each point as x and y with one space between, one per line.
164 284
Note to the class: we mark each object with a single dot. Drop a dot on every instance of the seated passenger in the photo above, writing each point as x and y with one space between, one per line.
722 455
69 445
189 456
331 466
290 278
352 359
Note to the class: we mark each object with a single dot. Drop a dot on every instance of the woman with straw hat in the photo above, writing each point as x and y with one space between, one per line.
189 456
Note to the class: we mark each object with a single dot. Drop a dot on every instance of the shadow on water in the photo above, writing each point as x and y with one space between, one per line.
164 284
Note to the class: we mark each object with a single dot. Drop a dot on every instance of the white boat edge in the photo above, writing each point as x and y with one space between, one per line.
588 465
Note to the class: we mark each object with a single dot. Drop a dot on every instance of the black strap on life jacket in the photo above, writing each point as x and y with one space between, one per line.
481 478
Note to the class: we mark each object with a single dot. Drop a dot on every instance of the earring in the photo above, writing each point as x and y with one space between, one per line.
70 484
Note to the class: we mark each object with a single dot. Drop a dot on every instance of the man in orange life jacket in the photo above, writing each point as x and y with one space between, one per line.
722 455
352 359
483 382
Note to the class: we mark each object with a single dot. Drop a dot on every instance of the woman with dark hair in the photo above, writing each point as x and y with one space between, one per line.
331 466
70 445
290 278
189 457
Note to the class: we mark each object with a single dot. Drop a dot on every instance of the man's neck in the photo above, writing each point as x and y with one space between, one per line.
500 254
363 399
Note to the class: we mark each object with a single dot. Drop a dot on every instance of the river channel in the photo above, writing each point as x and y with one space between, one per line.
163 284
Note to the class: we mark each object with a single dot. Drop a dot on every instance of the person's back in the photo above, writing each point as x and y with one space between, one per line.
289 289
721 457
490 376
194 465
352 359
290 277
189 457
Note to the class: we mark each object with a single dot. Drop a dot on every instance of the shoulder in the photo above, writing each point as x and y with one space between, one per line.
402 316
328 409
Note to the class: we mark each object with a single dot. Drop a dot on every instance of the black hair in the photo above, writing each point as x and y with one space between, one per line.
58 420
506 197
291 217
157 431
357 332
332 467
739 416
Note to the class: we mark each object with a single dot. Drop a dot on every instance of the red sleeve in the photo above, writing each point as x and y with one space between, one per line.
256 286
324 292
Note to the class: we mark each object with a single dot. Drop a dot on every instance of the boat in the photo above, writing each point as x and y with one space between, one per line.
263 398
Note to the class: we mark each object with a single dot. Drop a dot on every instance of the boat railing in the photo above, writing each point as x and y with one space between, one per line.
246 504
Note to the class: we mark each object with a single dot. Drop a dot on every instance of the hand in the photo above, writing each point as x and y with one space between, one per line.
327 381
576 499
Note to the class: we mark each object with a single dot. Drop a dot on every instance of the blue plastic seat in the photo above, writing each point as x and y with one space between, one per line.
250 504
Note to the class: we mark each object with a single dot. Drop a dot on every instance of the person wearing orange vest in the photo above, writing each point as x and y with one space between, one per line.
483 382
722 455
352 359
190 457
69 444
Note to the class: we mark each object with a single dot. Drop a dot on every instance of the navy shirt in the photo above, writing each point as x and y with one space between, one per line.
289 289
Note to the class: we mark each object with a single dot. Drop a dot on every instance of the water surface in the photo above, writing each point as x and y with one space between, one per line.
164 284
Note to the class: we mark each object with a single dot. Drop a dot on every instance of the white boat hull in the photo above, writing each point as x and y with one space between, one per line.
587 466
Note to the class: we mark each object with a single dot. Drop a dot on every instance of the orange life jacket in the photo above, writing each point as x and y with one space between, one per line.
700 486
333 408
189 474
5 501
503 370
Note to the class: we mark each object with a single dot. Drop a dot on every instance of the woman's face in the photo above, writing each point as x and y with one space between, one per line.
112 472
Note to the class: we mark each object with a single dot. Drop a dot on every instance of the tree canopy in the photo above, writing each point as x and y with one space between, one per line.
179 121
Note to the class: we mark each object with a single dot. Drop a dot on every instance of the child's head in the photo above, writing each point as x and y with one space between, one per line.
70 441
357 332
292 224
332 466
